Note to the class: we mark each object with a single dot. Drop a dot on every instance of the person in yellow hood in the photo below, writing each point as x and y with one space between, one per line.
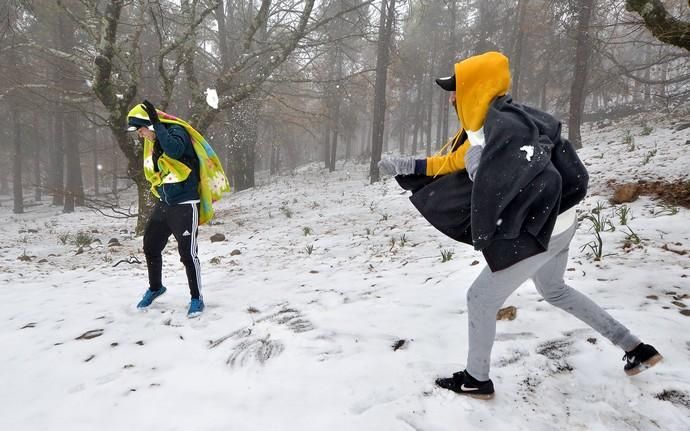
508 187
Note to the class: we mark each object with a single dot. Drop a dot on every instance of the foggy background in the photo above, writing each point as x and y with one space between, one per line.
333 82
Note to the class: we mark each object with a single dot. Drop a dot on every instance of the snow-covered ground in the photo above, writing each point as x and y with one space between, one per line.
331 273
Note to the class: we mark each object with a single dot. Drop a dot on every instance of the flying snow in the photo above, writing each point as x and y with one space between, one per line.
212 97
529 152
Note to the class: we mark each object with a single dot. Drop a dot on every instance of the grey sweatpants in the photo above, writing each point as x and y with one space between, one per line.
490 290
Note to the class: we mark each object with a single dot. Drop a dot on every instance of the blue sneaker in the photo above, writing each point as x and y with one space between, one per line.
195 307
149 296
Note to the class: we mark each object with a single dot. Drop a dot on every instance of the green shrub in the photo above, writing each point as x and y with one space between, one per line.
83 238
446 255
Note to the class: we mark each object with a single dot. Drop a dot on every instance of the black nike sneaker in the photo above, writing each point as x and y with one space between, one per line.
640 358
463 383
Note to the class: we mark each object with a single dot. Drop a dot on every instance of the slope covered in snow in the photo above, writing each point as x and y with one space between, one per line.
329 306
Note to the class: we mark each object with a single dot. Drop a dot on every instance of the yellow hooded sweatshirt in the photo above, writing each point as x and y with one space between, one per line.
478 81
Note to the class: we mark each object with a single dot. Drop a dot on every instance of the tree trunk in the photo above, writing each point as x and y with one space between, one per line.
242 150
38 184
74 194
79 177
327 143
337 101
663 74
363 140
417 116
115 168
4 184
441 113
57 146
382 54
133 151
96 171
519 35
648 75
429 100
578 91
445 107
17 162
57 158
348 147
72 162
404 110
334 145
387 133
37 153
663 26
275 156
545 75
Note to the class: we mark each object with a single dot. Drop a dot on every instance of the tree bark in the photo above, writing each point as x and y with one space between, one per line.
96 171
382 55
37 154
417 116
348 147
242 150
57 157
519 35
445 108
663 26
545 76
441 114
429 99
327 139
17 162
404 117
73 163
115 168
578 89
336 103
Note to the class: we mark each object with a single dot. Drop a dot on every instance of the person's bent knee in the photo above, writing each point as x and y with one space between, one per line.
553 294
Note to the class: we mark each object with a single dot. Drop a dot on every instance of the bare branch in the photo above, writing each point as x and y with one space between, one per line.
663 25
258 21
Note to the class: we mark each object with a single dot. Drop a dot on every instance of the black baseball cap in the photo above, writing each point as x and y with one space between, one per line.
447 83
135 123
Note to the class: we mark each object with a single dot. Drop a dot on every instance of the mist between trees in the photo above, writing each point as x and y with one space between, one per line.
301 81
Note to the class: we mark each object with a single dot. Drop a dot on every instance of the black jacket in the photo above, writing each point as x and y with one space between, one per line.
509 211
174 141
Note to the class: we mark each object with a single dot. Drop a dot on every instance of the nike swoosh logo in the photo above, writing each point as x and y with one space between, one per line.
466 389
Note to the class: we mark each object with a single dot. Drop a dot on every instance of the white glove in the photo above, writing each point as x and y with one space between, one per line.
397 166
472 157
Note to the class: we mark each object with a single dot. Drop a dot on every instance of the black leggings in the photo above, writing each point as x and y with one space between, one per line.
180 220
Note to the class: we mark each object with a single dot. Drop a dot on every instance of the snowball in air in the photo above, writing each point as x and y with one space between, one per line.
212 97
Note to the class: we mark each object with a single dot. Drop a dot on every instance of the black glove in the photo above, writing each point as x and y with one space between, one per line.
151 111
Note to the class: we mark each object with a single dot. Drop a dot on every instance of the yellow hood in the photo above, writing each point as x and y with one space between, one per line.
478 81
